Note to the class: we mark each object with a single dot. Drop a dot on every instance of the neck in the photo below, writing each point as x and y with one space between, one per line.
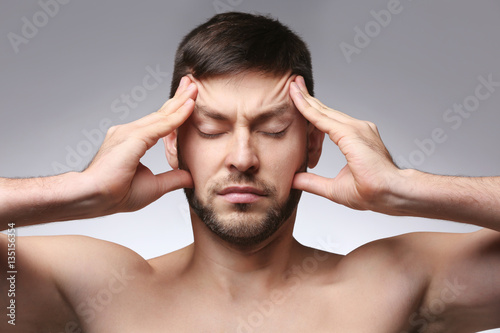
229 266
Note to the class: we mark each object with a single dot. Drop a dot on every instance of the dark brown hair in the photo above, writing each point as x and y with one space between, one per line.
231 43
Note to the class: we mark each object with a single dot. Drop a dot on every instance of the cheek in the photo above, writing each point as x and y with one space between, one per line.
200 158
285 160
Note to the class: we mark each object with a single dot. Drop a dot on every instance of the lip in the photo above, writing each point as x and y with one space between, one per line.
242 189
241 194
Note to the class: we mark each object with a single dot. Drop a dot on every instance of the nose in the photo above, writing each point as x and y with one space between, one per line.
242 154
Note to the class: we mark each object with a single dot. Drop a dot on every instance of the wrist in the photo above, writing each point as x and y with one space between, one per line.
417 193
402 192
81 197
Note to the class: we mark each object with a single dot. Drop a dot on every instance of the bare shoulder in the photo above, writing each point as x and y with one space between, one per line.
417 260
56 274
425 251
412 251
172 264
404 253
446 276
405 261
82 253
80 264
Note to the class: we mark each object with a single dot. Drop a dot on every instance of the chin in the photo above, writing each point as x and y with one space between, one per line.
243 227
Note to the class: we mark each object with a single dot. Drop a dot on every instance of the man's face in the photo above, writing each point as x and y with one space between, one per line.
243 144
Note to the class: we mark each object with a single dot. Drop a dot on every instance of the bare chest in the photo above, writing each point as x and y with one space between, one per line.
324 309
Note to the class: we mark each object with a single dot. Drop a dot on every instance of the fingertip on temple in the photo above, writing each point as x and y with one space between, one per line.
295 91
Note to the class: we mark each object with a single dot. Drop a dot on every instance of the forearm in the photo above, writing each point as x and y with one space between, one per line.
47 199
474 200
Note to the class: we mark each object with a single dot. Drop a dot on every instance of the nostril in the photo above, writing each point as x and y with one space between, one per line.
242 155
244 162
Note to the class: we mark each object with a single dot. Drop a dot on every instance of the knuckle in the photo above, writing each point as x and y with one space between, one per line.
310 107
364 126
112 130
116 133
166 106
371 125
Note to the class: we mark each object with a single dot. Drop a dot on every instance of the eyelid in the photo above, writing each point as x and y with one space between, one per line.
277 134
209 135
218 133
209 131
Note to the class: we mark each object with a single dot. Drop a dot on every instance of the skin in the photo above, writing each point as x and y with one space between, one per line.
258 137
420 282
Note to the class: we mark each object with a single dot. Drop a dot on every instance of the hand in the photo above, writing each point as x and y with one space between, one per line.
122 181
366 179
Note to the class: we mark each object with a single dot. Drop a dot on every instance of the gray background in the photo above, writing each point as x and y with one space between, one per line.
69 76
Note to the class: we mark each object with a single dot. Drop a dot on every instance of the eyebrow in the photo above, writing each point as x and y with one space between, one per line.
273 112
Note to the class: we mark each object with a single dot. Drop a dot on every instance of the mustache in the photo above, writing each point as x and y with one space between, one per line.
242 179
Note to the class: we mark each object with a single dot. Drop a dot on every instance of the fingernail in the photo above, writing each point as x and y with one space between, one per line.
191 86
296 87
302 82
183 81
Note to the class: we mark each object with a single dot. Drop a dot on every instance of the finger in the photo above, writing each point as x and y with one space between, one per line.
190 91
177 119
172 106
182 84
316 102
174 180
311 183
317 118
164 125
335 124
296 92
300 84
154 126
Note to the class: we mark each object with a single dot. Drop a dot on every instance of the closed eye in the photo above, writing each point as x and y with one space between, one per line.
209 135
276 134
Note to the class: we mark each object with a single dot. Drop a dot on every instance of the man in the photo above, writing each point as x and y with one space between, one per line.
240 130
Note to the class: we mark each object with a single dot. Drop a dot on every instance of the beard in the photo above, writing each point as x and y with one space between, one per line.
240 228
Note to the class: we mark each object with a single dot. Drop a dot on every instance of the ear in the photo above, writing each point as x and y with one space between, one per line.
315 144
170 142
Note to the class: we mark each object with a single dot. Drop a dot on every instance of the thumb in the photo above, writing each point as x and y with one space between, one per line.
174 180
311 183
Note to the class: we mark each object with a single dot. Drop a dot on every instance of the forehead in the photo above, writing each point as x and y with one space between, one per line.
247 93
